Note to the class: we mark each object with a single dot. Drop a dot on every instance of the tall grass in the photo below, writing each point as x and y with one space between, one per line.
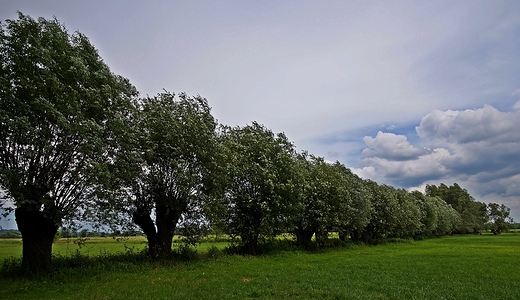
457 267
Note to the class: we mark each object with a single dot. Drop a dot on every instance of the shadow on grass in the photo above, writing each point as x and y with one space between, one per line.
77 264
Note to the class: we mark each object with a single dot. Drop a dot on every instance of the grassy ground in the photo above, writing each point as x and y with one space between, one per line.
93 246
457 267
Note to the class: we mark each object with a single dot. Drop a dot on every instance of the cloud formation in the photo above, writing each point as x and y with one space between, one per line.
330 73
487 124
390 146
477 148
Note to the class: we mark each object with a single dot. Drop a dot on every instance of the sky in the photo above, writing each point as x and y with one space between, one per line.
405 93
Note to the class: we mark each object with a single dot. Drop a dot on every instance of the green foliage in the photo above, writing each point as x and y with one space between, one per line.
171 158
57 97
473 214
12 266
258 183
499 220
322 194
10 234
185 252
438 218
429 214
60 110
355 213
332 198
214 252
385 214
408 215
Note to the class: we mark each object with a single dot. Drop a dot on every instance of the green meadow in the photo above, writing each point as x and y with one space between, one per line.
454 267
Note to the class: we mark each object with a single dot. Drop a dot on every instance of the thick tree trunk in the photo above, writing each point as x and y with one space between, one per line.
159 237
250 245
165 232
322 238
250 235
166 220
38 233
356 235
145 222
165 242
304 237
343 236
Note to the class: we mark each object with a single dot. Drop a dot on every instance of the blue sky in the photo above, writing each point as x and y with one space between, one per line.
403 92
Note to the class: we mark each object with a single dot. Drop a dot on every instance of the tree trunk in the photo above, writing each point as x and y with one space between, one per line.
250 245
322 238
143 220
159 237
166 220
304 237
165 233
343 236
38 233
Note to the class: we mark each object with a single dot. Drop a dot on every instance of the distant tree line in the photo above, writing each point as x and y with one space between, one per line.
78 143
10 234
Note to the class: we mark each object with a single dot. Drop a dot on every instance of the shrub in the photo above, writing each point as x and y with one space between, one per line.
185 252
214 252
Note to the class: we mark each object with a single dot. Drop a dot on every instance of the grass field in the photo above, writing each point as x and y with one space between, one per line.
93 246
455 267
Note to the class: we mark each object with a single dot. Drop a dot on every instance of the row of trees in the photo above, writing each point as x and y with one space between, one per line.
475 216
79 144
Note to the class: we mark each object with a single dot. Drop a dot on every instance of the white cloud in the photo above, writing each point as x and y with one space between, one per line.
477 148
313 69
368 172
406 172
485 124
392 147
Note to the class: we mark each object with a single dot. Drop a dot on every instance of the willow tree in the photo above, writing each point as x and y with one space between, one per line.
325 199
473 213
499 219
173 158
59 107
258 181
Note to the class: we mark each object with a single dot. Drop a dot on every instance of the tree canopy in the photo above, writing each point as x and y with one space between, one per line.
76 139
259 180
60 107
499 219
175 147
473 214
331 200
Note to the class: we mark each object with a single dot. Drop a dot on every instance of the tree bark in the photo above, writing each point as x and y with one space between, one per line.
304 237
159 237
38 233
250 245
167 218
322 238
343 236
165 232
143 220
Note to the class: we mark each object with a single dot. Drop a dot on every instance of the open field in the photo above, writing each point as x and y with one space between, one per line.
93 246
455 267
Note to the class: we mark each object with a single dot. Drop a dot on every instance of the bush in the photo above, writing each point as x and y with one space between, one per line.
214 252
10 234
185 252
12 266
